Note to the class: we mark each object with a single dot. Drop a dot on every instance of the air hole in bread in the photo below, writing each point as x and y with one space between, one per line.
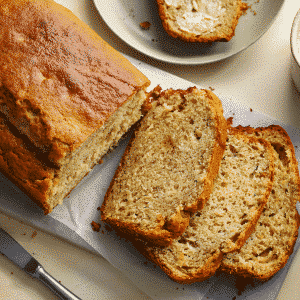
266 252
235 237
233 149
244 222
182 240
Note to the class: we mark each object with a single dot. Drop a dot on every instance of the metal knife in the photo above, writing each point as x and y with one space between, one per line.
18 255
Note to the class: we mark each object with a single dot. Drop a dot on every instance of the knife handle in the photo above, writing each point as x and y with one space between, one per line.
56 287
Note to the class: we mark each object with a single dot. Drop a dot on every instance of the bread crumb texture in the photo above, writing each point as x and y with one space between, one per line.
201 20
165 168
240 192
268 248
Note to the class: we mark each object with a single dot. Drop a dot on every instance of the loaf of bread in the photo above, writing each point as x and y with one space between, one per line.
66 98
201 20
240 192
268 248
169 166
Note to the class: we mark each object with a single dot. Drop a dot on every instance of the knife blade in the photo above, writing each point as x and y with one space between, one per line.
19 256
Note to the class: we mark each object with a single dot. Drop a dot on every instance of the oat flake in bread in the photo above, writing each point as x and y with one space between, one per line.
201 20
66 97
241 190
168 168
268 248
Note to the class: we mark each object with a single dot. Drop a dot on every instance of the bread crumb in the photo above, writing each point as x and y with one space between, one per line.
145 25
12 272
229 121
95 226
98 208
251 109
34 234
211 88
100 161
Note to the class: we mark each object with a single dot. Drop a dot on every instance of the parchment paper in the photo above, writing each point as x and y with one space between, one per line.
72 220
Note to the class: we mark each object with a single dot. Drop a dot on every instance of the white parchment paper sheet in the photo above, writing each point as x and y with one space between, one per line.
72 220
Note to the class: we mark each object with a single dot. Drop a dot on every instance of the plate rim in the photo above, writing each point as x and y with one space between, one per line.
185 61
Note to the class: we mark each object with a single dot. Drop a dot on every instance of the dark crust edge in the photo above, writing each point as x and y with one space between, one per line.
163 237
190 37
252 273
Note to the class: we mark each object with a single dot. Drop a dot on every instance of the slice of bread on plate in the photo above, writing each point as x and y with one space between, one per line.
201 20
168 168
268 248
241 190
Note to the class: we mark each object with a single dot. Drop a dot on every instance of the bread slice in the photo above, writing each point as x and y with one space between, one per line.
201 20
68 96
270 245
169 166
240 193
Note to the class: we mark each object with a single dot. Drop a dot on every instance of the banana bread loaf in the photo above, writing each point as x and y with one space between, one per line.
168 168
66 96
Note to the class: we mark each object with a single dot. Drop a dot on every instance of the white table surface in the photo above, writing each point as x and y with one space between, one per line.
259 77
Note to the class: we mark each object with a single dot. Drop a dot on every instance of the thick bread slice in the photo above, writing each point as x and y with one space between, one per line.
240 193
169 166
201 20
270 245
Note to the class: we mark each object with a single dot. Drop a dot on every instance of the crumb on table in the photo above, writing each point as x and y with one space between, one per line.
95 226
145 25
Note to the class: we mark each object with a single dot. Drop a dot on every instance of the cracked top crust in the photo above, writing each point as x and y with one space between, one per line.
59 81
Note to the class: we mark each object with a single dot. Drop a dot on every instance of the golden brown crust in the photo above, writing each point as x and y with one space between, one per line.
165 232
209 269
222 35
264 273
58 79
23 167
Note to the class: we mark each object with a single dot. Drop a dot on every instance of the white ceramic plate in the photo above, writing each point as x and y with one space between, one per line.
124 18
